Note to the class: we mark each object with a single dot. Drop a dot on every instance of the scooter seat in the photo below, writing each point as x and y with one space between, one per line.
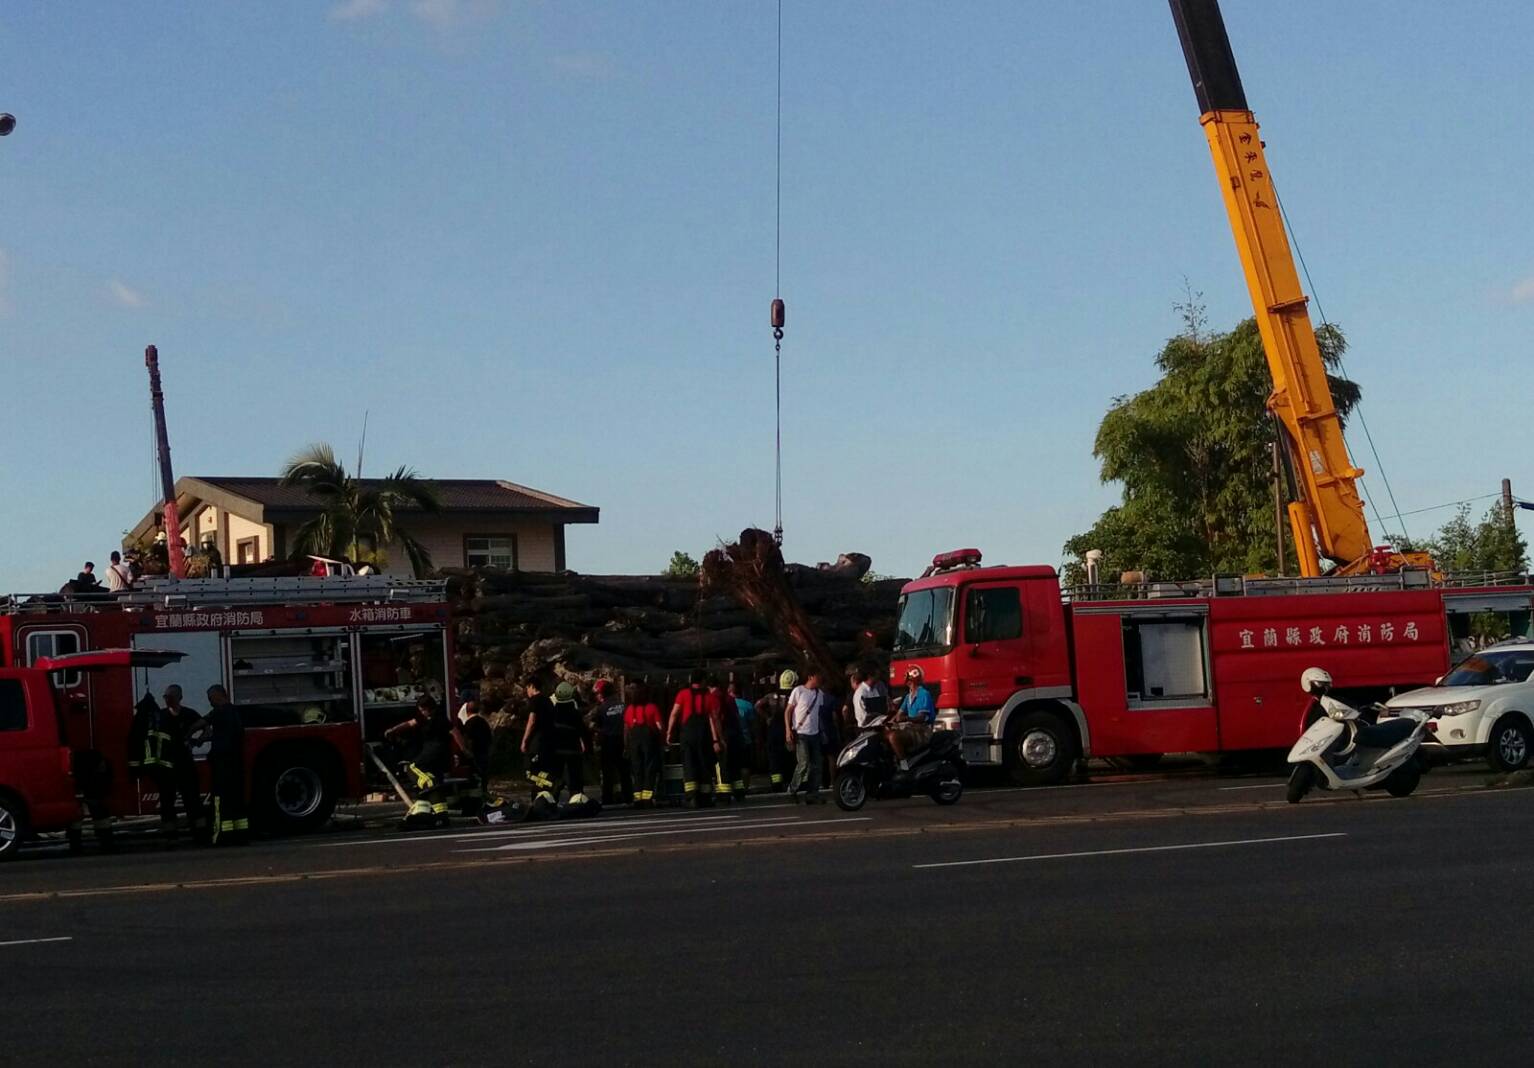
1384 735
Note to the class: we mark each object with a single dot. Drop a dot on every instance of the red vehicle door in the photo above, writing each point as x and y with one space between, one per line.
34 761
994 644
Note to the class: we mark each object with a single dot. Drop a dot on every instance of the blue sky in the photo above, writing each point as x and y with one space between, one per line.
535 240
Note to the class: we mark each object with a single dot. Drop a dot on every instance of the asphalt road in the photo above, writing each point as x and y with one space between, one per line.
1156 921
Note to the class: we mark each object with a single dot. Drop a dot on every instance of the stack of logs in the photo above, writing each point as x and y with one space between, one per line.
512 627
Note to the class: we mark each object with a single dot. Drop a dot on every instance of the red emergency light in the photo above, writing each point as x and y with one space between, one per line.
956 558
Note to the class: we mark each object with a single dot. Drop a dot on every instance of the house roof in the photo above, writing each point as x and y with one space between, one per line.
457 494
265 499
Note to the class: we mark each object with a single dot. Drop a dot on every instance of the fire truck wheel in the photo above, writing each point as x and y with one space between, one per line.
13 826
1040 749
295 789
1509 746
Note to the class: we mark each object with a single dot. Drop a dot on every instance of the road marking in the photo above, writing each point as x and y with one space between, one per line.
1258 786
504 860
1136 849
552 843
565 825
494 830
36 941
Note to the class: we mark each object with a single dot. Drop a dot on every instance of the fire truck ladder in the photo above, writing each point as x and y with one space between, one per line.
360 589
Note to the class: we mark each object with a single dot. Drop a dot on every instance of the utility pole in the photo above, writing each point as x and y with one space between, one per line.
1507 501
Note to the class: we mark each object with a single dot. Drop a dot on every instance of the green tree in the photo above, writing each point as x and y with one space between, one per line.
354 511
1493 544
1192 454
682 566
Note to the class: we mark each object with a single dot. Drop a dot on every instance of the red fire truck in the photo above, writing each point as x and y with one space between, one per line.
318 667
1036 679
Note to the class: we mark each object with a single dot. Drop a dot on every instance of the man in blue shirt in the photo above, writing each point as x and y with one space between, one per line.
912 729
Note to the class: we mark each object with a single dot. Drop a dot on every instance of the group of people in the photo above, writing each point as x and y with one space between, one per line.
721 732
120 576
160 744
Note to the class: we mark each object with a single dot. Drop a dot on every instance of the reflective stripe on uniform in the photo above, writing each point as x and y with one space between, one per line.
777 779
424 780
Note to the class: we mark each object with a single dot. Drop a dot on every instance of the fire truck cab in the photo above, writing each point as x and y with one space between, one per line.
1035 679
37 787
318 666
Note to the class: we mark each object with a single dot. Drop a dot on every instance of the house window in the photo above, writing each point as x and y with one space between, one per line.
246 550
13 706
490 550
41 643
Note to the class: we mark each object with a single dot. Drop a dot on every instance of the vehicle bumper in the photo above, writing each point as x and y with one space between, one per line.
1436 753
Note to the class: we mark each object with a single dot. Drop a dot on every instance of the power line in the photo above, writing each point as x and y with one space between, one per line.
1358 409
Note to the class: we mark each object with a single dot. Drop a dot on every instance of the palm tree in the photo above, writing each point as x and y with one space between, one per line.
351 509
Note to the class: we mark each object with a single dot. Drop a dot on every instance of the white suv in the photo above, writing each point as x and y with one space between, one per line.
1484 706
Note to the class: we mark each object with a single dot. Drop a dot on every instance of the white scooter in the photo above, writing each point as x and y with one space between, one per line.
1341 752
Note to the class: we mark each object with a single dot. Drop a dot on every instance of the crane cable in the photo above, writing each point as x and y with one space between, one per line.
778 315
1379 464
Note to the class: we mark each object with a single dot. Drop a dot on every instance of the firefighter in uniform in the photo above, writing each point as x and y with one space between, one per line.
431 764
478 738
770 710
555 742
157 747
226 763
696 710
730 769
93 784
642 738
606 722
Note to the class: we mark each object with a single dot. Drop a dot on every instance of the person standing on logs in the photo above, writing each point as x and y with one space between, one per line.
697 711
642 739
770 710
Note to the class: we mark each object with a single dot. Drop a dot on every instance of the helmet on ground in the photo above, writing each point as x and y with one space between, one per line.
1316 681
788 680
564 693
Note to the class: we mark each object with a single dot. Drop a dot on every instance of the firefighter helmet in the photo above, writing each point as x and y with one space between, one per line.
1316 681
788 680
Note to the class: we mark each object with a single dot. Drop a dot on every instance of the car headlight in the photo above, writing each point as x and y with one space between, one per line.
1458 708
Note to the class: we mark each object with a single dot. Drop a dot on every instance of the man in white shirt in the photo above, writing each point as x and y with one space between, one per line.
870 700
801 726
119 578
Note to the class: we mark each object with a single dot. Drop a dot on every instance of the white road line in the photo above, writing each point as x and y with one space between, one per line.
552 843
37 941
1137 849
1258 786
566 826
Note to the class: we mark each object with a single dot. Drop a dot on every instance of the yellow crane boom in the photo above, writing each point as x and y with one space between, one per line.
1328 520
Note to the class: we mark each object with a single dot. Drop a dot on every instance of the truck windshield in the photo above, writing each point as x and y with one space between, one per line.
1485 669
926 622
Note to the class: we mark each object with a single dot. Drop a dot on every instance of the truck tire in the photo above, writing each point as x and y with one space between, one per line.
1040 748
1507 749
295 789
13 826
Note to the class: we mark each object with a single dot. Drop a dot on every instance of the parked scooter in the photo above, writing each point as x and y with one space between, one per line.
867 768
1339 751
